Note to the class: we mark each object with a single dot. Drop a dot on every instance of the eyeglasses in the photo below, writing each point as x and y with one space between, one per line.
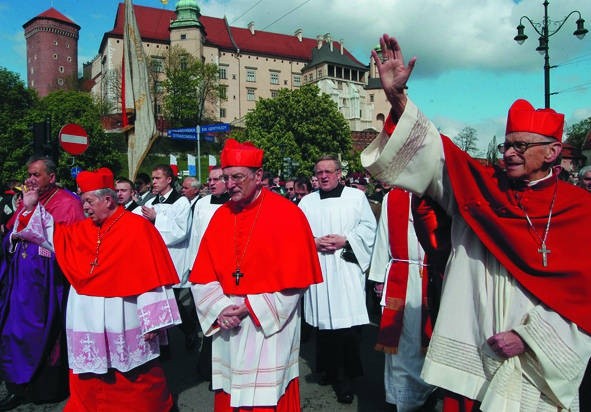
327 172
237 178
520 147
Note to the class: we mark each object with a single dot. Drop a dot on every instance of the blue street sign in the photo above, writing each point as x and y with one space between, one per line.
184 130
75 171
208 138
218 127
182 136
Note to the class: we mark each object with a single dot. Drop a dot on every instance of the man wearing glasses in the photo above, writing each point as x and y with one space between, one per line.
248 280
513 325
344 229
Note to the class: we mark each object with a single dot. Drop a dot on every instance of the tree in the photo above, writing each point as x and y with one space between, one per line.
492 152
15 136
191 86
576 133
301 125
467 139
60 107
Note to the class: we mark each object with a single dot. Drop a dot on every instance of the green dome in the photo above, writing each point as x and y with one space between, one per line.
187 5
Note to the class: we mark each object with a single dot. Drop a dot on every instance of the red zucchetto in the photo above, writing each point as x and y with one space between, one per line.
101 179
522 117
241 154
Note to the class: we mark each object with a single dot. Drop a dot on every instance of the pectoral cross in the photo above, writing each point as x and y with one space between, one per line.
237 274
93 265
544 251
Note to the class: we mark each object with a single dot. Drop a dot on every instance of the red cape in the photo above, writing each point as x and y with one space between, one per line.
280 255
133 258
487 201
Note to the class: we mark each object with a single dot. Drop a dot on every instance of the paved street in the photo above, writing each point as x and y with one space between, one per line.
193 395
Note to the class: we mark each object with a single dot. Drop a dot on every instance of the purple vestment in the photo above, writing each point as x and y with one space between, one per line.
33 295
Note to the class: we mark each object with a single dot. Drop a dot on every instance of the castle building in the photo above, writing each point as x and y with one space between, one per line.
252 64
52 52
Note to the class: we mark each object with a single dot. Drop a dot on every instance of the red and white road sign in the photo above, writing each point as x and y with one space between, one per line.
73 139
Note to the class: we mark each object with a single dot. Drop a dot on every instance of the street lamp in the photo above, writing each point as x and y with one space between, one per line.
544 45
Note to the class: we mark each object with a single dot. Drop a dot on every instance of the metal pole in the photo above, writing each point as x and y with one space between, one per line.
546 38
198 152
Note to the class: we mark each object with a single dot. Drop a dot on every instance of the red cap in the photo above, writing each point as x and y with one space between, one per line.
523 117
101 179
241 154
175 170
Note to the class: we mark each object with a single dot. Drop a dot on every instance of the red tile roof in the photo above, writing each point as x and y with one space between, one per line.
53 14
153 25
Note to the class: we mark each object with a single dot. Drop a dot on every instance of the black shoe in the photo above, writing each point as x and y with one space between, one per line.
345 397
10 402
344 391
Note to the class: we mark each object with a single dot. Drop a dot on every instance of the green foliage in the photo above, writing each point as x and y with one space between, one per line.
190 87
299 124
576 133
22 110
15 137
467 139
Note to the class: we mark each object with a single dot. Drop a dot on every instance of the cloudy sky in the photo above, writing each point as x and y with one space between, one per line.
469 68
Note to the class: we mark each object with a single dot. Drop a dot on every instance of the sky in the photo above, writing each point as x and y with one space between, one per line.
469 69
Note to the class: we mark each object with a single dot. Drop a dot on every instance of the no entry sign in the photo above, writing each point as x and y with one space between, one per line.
73 139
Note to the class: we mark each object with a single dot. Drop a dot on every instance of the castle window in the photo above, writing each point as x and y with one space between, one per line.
297 80
54 56
371 98
223 72
157 64
67 45
274 93
250 96
55 42
60 82
251 75
60 69
69 58
183 37
222 112
274 77
223 92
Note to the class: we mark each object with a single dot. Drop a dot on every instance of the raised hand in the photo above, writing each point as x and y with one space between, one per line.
393 72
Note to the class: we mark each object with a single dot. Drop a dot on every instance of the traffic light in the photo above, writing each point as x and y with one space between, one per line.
42 144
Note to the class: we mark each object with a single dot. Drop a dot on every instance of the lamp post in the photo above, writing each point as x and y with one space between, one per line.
545 33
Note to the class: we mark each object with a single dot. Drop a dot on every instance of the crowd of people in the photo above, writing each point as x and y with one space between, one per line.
484 290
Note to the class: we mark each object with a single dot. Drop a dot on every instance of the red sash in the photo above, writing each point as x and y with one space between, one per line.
392 316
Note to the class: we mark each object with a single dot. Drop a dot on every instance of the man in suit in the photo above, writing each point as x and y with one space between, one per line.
125 192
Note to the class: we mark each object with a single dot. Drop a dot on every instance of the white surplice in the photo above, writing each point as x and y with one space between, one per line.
339 301
202 213
173 221
402 381
108 333
253 364
480 298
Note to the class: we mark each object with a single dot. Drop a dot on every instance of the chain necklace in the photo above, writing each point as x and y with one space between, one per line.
543 250
237 274
99 240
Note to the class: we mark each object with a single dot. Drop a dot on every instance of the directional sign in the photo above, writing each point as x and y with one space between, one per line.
73 139
217 127
184 130
75 171
182 136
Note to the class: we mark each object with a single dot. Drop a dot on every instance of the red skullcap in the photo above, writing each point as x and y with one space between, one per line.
101 179
241 154
523 117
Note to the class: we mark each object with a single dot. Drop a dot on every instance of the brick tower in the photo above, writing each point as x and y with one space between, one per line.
52 52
